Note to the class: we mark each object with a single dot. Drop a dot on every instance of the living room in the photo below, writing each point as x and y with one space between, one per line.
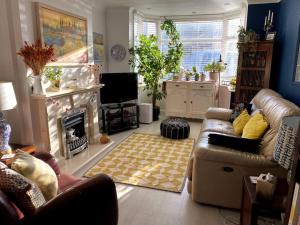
149 112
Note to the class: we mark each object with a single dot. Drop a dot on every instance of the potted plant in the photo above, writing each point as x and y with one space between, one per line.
214 70
53 74
152 64
202 77
233 82
196 75
36 56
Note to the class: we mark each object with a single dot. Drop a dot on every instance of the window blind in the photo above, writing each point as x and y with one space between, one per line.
149 28
231 51
201 41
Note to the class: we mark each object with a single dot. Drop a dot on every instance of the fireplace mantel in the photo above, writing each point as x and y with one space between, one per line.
67 92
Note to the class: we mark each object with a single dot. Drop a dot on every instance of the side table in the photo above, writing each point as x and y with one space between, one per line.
253 206
31 149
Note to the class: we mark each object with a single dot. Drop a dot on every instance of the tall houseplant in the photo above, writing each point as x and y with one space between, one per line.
153 64
36 56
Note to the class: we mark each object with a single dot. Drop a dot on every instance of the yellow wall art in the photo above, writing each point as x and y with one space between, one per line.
65 31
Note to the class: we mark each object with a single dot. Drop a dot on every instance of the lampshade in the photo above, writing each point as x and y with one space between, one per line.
7 96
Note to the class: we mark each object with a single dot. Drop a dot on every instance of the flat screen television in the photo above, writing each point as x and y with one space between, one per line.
118 87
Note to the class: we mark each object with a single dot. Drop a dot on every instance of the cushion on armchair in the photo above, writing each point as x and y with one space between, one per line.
240 122
21 190
238 109
234 142
37 171
255 127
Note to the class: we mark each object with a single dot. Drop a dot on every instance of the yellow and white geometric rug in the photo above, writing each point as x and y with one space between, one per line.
147 160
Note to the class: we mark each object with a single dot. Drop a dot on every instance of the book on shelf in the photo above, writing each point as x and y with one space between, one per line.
295 208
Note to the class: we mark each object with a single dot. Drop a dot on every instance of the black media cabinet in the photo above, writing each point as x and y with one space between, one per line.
119 117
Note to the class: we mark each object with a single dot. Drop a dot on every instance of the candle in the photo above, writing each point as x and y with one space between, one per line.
265 21
269 15
272 18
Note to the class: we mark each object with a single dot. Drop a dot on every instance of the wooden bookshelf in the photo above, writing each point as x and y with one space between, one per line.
254 69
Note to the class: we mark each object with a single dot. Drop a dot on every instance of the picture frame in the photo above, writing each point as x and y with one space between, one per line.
65 31
98 47
270 36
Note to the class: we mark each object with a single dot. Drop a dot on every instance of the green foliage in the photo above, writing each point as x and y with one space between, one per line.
53 73
247 35
175 47
214 67
194 69
152 64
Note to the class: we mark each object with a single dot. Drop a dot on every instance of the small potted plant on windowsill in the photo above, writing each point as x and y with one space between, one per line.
196 75
214 69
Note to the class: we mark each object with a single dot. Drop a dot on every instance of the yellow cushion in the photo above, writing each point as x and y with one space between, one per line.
37 171
255 127
240 122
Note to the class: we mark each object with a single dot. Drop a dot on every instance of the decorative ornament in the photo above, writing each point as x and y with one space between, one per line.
118 52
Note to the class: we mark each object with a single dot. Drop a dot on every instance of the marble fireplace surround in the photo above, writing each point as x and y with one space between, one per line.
49 109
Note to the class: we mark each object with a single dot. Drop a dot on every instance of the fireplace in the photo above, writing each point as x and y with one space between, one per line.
74 137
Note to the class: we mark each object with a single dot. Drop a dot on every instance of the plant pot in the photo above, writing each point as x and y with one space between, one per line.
55 85
202 77
38 88
214 76
156 112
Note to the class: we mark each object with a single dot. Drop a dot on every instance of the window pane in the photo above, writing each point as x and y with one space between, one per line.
233 26
149 28
201 41
231 58
199 54
198 30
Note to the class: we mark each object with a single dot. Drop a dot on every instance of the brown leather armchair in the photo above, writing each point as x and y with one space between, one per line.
89 201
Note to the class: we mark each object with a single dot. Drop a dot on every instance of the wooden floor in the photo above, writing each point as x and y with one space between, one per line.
145 206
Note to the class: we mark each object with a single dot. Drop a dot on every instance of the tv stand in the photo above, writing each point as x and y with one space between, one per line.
119 117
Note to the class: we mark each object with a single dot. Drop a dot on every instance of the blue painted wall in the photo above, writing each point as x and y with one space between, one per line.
256 17
287 40
286 21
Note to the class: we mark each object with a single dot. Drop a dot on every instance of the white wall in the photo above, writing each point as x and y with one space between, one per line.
117 27
99 26
9 70
18 24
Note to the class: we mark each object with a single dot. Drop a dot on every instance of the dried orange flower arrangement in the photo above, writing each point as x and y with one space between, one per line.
37 55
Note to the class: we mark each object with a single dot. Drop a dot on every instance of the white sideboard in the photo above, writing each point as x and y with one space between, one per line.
190 99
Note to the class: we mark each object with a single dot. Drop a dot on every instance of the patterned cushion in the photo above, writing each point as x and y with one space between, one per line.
238 109
37 171
23 192
285 145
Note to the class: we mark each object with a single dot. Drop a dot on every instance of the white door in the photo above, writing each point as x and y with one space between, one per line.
176 102
200 101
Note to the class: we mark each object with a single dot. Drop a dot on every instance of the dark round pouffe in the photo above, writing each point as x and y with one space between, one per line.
175 128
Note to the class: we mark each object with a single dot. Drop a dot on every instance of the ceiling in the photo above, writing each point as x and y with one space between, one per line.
179 7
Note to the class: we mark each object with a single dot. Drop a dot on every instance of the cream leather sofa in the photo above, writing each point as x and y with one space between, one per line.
215 172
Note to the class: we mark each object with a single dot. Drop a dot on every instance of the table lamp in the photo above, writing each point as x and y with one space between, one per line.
7 101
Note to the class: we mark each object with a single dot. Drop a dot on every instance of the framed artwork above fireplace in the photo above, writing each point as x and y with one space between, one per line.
65 31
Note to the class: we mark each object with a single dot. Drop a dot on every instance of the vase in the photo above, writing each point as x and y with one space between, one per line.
38 88
202 77
5 131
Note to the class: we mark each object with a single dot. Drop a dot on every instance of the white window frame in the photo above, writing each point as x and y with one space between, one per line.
202 18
